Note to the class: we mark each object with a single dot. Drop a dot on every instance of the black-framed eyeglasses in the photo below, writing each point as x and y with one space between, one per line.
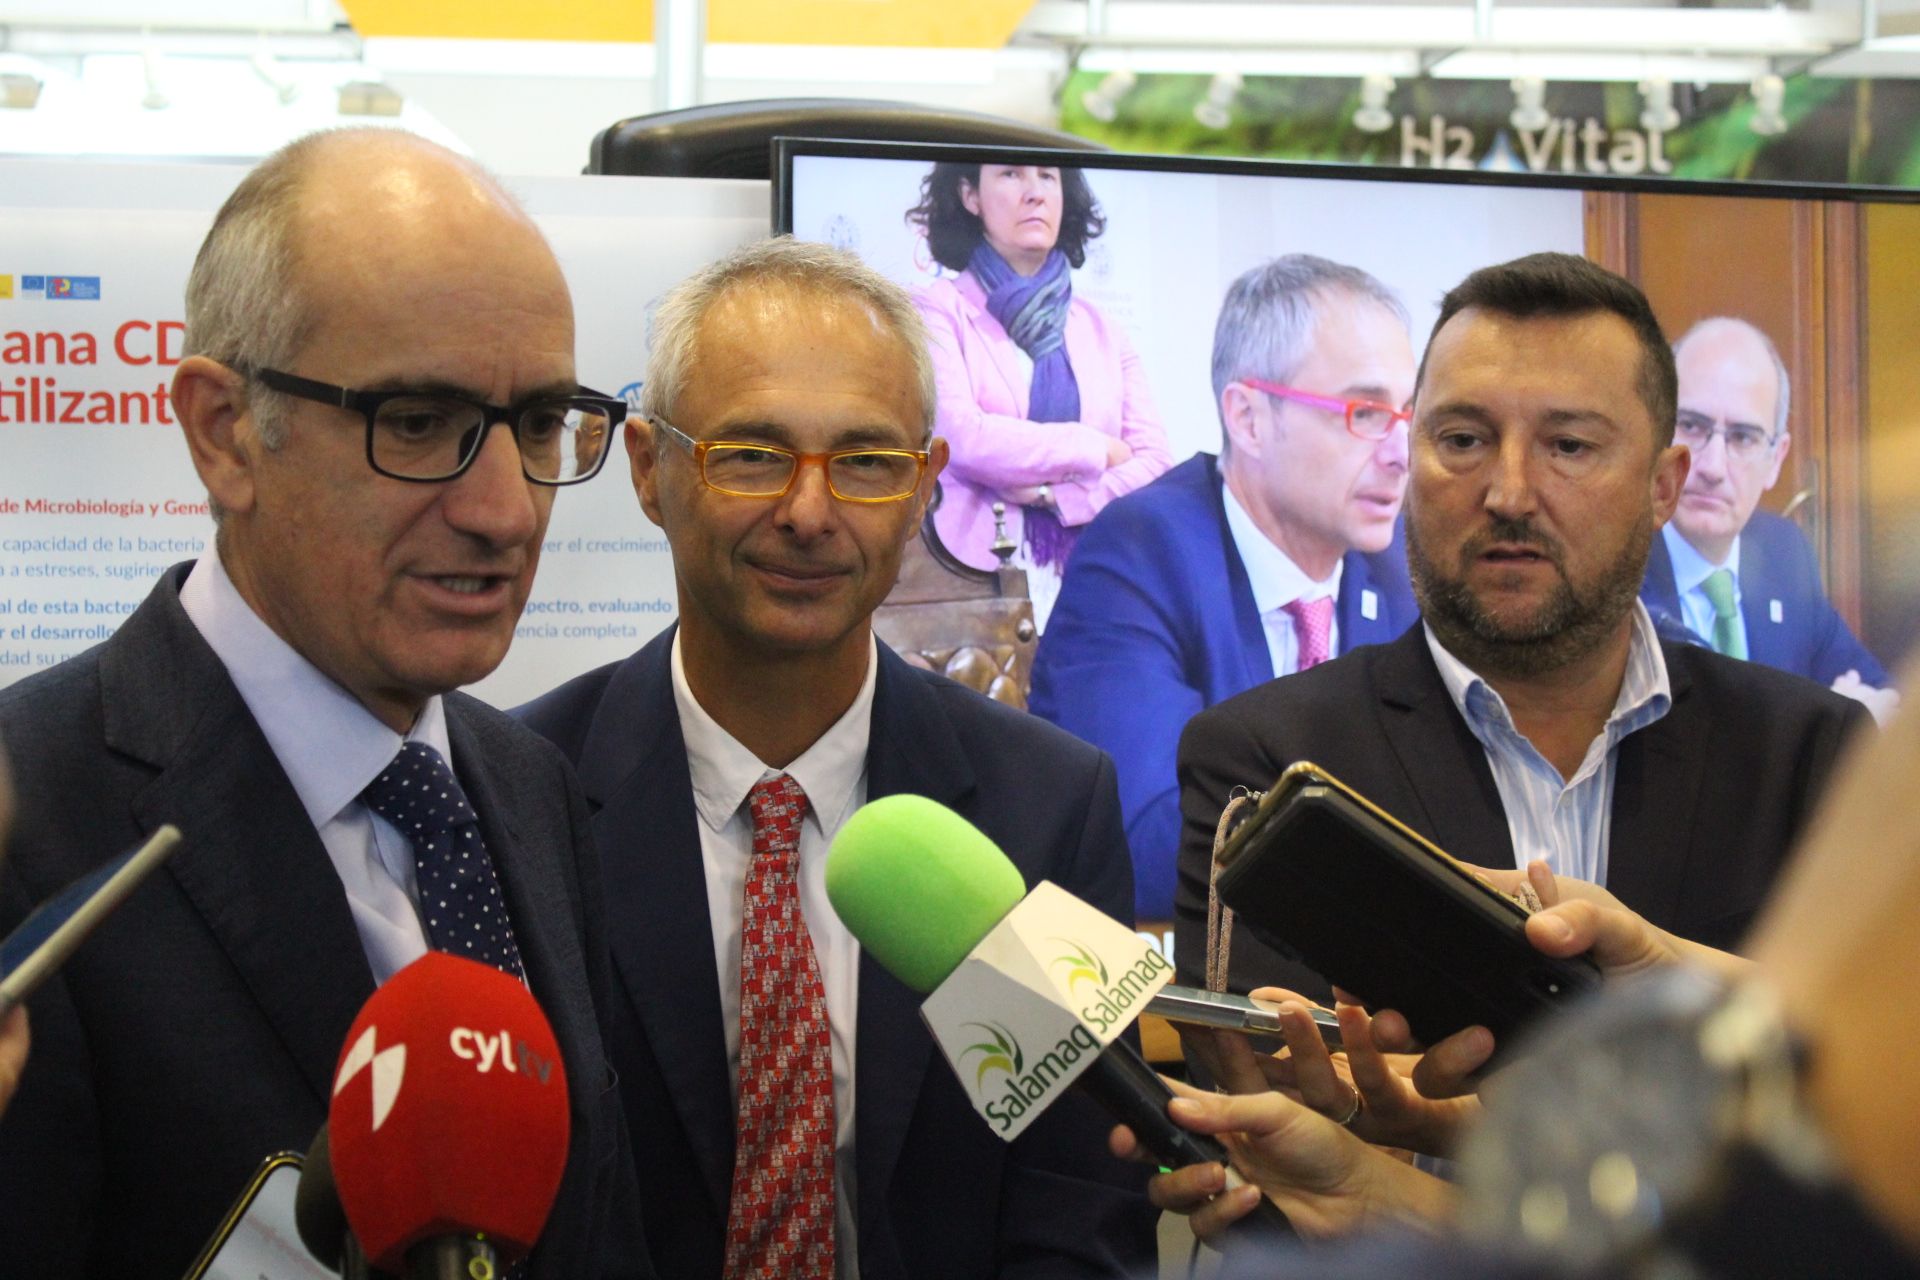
743 469
430 436
1745 440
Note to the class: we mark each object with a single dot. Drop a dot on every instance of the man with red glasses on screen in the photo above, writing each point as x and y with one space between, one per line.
1229 571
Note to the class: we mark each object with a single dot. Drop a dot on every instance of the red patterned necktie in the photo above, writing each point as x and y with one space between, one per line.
780 1218
1312 629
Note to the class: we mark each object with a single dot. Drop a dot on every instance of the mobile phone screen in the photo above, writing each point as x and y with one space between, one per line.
261 1241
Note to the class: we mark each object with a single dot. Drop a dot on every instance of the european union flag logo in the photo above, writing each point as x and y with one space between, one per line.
33 284
74 288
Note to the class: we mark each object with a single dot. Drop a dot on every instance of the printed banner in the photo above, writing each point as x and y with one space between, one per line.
97 493
1824 130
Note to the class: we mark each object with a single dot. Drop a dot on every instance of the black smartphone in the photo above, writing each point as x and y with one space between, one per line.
1323 875
258 1239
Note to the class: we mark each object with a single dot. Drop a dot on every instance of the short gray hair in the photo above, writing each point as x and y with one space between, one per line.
1267 321
245 307
1784 401
796 264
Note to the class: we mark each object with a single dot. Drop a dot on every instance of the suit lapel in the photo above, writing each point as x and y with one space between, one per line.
1361 606
996 342
1256 658
252 864
1660 589
1446 768
912 750
1767 638
494 772
1657 777
633 766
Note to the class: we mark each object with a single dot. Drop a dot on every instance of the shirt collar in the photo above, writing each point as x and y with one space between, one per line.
1275 578
1690 568
723 771
1645 692
327 742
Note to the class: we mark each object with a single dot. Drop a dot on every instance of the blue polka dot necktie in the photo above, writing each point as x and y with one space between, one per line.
459 893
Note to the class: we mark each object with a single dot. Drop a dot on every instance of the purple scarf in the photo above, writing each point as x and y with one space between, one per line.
1033 311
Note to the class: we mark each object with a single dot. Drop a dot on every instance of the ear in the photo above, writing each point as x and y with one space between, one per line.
969 198
937 454
643 463
1670 469
210 403
1240 420
1779 460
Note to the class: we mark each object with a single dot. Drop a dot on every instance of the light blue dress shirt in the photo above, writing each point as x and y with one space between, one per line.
331 747
1565 821
1690 569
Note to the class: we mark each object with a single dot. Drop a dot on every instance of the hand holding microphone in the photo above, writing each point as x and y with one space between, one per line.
922 888
448 1131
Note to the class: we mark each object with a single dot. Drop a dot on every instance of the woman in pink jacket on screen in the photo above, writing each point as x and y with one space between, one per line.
1042 400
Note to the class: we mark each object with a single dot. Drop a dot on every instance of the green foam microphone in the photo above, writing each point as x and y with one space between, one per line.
919 886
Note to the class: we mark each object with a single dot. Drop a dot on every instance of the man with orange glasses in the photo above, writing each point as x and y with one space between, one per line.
1225 573
787 1110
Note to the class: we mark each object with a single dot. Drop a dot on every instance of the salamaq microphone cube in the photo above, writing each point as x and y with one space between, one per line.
1024 992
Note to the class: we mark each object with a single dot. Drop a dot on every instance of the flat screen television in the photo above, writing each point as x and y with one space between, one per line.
1826 278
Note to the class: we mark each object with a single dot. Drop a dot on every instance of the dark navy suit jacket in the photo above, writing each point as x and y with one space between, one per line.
939 1195
1790 624
196 1033
1156 622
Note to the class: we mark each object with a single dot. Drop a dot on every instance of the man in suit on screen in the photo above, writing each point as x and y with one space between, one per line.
1741 579
1224 573
366 309
789 1112
1536 713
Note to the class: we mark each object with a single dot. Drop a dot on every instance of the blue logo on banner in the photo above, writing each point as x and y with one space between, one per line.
32 284
74 288
631 394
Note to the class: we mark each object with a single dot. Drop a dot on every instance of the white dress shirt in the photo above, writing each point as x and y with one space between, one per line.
330 747
1277 582
1690 570
833 773
1567 821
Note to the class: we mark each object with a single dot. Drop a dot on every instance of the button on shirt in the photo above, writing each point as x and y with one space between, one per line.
1565 821
1690 570
330 747
1277 582
833 773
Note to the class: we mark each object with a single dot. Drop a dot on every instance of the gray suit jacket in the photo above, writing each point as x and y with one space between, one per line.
197 1032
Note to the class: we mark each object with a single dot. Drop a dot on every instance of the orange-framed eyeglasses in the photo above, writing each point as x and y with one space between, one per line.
743 469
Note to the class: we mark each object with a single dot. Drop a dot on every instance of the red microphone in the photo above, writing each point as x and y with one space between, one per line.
448 1127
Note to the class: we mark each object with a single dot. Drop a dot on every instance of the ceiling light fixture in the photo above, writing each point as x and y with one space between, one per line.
1215 110
1769 96
1529 104
1373 116
1102 102
1656 97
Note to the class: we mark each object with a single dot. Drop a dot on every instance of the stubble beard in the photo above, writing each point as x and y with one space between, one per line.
1564 629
